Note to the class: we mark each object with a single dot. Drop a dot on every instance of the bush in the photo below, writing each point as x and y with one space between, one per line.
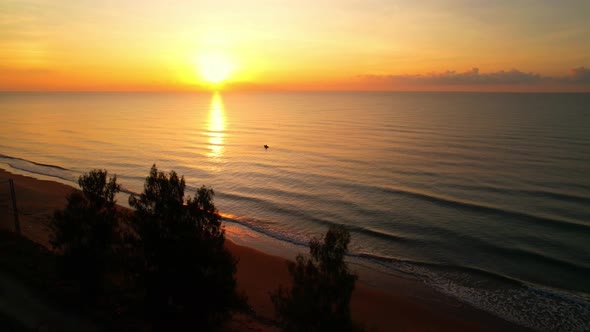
319 298
82 233
188 275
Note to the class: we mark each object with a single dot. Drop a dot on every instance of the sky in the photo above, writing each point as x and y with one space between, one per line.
457 45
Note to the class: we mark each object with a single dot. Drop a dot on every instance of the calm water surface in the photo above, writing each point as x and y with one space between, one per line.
485 197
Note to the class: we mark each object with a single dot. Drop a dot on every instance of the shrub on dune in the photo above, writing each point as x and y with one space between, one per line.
83 233
188 275
319 298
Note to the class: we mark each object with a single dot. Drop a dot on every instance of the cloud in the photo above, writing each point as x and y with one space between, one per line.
579 75
471 77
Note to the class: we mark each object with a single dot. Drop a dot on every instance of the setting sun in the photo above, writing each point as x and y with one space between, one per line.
215 67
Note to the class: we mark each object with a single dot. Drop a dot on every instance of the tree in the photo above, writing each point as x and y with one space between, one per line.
319 298
188 275
83 232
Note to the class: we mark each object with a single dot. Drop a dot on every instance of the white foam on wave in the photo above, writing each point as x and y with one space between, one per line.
43 172
527 306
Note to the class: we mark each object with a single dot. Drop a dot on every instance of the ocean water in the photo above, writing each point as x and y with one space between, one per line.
483 196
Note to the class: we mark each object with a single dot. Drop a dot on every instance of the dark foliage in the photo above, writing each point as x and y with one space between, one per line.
82 234
319 299
188 275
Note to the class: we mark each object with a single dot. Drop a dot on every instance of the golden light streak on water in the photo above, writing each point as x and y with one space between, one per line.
216 128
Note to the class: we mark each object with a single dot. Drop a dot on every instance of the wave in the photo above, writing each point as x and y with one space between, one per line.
481 274
540 258
529 306
49 170
256 226
537 193
478 207
283 209
438 266
57 173
26 169
33 162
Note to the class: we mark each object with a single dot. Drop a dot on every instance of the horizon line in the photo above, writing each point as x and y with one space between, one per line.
293 90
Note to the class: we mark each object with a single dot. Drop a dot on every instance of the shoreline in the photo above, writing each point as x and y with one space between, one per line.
381 301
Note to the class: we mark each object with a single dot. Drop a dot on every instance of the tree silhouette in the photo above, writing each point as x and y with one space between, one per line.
188 275
319 298
83 232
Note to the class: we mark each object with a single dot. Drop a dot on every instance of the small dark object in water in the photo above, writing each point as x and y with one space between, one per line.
265 146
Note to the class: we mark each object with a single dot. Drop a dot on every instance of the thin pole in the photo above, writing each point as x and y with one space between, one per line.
13 196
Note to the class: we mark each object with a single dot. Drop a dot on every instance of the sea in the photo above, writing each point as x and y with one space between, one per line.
484 197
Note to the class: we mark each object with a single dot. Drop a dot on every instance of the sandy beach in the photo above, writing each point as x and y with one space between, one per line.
397 304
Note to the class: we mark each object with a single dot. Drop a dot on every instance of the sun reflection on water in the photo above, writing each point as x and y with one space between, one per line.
216 127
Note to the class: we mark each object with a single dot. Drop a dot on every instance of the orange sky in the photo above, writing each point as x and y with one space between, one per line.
297 45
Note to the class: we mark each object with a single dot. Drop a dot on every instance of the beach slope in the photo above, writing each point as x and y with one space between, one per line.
397 304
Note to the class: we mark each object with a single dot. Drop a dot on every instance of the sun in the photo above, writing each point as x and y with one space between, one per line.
215 68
